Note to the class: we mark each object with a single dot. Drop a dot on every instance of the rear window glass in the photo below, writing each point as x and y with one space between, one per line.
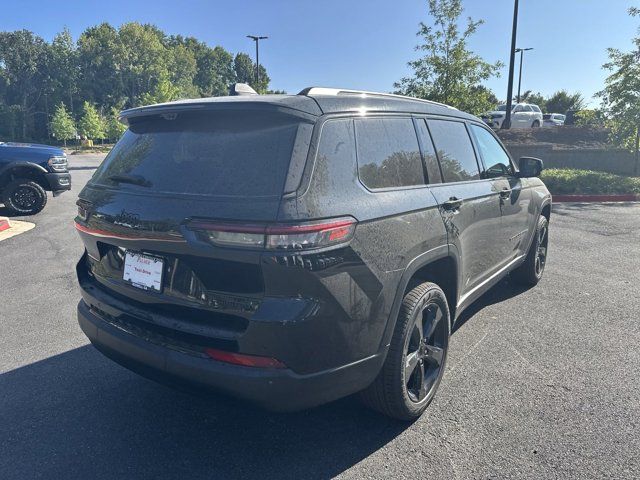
388 153
226 153
455 152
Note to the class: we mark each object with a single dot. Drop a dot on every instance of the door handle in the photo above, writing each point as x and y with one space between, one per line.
452 204
505 193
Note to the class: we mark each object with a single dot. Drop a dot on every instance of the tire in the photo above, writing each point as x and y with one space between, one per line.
417 355
535 124
24 197
530 272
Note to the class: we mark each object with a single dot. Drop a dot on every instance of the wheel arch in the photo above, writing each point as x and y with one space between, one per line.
546 211
439 266
28 170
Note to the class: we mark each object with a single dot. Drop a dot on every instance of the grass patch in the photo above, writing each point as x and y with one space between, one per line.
568 181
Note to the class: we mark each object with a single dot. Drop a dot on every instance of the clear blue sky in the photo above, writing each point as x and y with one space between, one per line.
362 44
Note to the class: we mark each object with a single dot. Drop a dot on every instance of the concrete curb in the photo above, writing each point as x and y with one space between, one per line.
5 224
17 227
631 197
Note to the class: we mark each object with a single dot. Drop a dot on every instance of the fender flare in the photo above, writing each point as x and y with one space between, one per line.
547 201
22 163
430 256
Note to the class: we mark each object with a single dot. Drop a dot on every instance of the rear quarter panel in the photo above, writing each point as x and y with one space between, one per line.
394 227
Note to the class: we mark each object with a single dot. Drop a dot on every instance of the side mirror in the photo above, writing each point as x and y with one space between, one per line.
530 167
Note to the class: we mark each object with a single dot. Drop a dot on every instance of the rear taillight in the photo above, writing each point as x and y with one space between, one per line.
299 236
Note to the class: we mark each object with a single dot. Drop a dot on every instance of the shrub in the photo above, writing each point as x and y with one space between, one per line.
587 118
567 181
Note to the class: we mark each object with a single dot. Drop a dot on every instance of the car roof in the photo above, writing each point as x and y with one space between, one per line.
313 100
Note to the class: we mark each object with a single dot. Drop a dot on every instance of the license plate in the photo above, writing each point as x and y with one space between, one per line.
143 271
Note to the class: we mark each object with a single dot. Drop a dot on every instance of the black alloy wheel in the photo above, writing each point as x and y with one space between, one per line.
417 355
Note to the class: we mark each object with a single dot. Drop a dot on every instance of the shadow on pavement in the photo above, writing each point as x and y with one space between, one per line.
4 212
78 415
503 290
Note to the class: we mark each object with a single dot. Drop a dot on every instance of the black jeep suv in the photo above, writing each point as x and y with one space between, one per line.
294 249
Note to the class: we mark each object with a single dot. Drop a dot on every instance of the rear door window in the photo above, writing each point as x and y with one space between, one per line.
388 153
455 151
222 154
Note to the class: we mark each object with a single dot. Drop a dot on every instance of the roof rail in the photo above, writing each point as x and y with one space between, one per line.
311 91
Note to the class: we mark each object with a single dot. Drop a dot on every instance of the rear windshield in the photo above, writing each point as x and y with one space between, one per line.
223 153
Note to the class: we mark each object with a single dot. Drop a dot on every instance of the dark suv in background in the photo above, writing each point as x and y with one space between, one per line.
294 249
27 172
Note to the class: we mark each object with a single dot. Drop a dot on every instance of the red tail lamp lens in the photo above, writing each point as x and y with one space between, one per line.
244 360
300 236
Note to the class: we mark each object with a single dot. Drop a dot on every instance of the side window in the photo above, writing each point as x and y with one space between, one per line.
528 108
455 152
518 109
388 153
337 147
429 152
492 153
536 109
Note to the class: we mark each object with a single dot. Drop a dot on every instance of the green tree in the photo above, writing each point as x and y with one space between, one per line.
589 118
107 67
144 60
62 125
63 69
182 68
99 64
621 94
115 128
164 91
534 98
245 70
485 92
214 66
561 101
91 124
23 58
448 71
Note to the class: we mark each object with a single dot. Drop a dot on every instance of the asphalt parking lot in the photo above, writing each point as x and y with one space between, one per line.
542 383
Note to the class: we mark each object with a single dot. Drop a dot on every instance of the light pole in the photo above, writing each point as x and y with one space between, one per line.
521 51
507 118
257 40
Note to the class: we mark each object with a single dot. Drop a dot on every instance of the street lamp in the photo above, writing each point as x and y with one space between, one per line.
521 51
257 39
512 57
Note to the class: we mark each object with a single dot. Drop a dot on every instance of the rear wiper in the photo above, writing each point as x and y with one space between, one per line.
133 179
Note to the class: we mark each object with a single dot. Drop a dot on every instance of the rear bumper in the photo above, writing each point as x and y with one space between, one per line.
58 182
275 389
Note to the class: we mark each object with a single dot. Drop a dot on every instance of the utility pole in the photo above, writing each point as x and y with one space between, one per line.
257 39
637 162
521 50
507 119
